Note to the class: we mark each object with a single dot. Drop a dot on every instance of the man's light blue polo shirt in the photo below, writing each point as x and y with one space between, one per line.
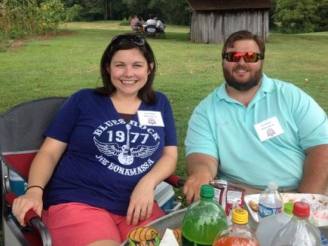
224 129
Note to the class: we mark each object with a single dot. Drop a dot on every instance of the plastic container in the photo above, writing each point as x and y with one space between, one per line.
239 233
298 231
270 225
270 201
17 183
323 239
203 220
165 197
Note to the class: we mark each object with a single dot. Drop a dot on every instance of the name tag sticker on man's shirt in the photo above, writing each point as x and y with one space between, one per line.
269 128
150 118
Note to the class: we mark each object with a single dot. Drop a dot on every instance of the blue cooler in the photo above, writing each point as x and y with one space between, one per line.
17 183
324 239
165 197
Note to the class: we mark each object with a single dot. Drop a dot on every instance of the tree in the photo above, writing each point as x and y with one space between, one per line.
177 12
272 23
19 18
99 9
296 15
171 11
322 13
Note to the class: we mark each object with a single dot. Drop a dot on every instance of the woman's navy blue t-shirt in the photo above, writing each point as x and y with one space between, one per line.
105 156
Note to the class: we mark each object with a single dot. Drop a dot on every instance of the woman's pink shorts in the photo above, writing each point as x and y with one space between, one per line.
78 224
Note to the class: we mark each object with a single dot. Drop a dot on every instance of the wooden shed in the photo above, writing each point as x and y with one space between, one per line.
213 21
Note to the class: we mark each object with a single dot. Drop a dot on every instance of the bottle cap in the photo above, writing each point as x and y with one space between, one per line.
207 191
239 216
301 209
272 186
288 207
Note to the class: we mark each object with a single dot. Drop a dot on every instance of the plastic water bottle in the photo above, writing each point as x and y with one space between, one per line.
239 233
298 231
270 225
270 201
203 220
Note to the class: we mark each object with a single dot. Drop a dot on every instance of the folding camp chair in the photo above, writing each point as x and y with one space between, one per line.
21 130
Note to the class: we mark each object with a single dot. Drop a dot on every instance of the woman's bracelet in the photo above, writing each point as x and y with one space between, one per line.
34 186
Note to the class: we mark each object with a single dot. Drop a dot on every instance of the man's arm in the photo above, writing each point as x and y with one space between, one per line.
315 171
201 169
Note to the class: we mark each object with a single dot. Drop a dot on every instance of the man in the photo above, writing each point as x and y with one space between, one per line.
254 129
151 21
160 27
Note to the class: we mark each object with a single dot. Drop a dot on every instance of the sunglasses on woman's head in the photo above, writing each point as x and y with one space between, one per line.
249 57
124 39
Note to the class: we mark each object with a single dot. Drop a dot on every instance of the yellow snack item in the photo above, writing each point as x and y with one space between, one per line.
144 236
178 235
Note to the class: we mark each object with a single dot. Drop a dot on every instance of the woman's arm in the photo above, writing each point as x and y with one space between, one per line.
141 201
45 162
164 167
41 170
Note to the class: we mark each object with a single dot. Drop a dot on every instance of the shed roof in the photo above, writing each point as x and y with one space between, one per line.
212 5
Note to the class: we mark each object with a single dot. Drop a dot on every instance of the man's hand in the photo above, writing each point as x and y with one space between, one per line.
192 186
201 170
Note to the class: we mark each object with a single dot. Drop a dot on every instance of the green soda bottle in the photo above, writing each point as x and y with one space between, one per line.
203 220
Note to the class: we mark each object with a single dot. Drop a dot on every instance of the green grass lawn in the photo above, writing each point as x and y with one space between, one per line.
187 72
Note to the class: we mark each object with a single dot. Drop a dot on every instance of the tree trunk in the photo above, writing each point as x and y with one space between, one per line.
108 9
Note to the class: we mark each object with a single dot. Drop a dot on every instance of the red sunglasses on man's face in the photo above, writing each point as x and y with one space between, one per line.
249 57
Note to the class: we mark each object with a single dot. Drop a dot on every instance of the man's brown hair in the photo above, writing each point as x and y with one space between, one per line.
243 35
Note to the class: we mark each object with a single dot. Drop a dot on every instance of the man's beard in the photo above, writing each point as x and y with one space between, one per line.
245 86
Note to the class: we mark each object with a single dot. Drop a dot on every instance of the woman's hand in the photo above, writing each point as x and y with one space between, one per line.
31 200
41 170
142 197
141 202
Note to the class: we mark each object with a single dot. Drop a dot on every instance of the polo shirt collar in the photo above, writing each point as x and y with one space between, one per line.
267 86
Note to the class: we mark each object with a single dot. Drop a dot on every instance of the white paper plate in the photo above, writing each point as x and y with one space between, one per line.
318 204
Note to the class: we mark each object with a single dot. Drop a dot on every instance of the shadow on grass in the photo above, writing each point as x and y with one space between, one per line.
175 36
12 44
8 44
5 44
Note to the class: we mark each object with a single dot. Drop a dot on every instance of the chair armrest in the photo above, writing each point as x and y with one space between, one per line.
33 220
175 181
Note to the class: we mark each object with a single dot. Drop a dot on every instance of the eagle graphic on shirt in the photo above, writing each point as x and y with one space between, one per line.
124 153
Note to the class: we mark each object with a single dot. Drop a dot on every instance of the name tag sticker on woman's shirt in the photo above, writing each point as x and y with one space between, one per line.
269 128
150 118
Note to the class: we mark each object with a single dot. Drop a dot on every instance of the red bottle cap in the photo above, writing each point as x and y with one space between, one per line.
301 209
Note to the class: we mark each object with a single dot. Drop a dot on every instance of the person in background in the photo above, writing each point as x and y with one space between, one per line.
160 26
152 21
136 24
254 129
149 26
104 154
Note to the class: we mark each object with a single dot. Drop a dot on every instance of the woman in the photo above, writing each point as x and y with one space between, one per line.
104 154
